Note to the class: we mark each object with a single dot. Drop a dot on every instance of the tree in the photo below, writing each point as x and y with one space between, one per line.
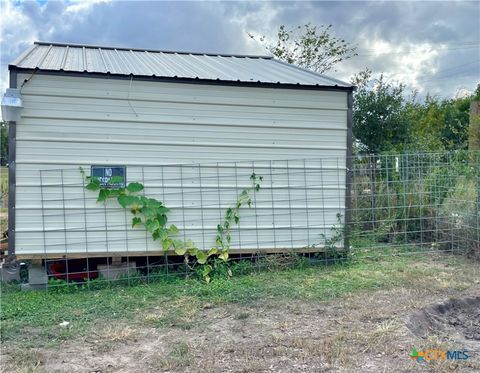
442 124
311 47
381 113
385 119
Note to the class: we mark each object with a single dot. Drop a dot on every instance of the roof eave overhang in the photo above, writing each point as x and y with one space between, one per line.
155 78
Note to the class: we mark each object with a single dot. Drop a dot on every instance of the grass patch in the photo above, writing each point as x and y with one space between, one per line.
32 318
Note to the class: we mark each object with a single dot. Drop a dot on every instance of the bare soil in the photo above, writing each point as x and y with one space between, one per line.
366 332
459 317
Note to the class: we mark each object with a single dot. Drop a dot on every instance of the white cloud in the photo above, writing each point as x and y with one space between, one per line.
22 23
407 62
409 42
260 22
15 30
78 6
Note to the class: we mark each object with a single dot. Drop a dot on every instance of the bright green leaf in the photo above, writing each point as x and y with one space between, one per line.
180 251
201 257
93 185
167 244
223 255
206 270
115 180
134 187
136 221
103 195
125 200
152 225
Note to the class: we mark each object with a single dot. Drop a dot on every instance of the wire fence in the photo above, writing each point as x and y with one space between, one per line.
324 210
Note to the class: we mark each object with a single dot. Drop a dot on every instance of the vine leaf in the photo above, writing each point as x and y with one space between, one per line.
136 221
223 255
152 225
103 195
93 184
134 187
206 273
166 244
180 247
125 200
115 180
212 251
201 257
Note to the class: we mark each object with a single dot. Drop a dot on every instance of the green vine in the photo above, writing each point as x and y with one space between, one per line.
152 214
337 235
232 215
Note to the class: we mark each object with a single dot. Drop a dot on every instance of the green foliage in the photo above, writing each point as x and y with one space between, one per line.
332 241
441 124
380 120
149 212
224 237
386 119
153 216
414 199
232 215
308 46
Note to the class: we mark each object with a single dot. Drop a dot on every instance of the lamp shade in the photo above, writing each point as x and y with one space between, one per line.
12 105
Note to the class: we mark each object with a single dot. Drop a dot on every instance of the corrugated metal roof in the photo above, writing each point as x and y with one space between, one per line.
168 64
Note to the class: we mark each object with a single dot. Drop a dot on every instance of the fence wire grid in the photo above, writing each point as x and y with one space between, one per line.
324 210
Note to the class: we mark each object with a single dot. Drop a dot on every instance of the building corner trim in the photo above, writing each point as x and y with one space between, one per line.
12 138
348 175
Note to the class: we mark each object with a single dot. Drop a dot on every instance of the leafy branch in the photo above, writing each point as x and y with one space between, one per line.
308 46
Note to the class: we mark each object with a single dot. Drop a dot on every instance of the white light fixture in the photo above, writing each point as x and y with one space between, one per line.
11 105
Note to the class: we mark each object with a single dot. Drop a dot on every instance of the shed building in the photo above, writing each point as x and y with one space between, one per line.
191 127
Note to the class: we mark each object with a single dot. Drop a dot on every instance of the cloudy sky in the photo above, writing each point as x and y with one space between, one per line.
431 46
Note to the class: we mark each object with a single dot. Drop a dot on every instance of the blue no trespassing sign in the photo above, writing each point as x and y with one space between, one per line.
110 176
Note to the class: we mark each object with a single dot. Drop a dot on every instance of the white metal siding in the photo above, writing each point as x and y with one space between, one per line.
69 122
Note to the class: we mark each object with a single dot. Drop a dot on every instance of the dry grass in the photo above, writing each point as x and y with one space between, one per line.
118 333
180 313
23 361
178 356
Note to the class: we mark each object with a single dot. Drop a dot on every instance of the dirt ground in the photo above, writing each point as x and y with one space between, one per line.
372 331
458 317
366 332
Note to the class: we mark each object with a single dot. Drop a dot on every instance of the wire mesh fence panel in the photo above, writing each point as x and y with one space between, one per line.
316 208
415 202
295 202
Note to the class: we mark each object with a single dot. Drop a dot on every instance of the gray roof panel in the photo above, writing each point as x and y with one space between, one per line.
166 64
